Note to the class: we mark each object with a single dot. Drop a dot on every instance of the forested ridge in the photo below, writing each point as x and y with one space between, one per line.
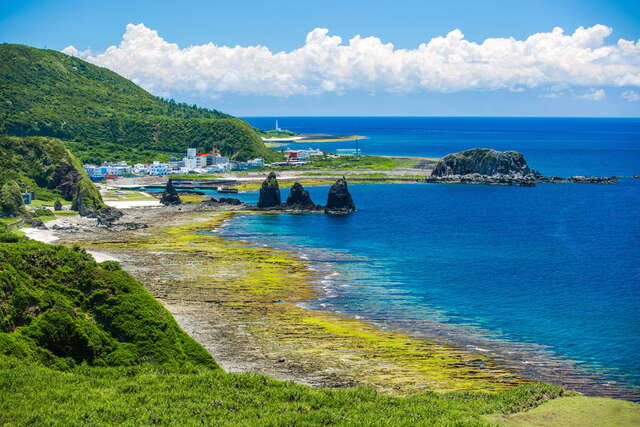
103 116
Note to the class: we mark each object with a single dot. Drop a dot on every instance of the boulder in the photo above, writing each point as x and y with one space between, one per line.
170 195
107 216
299 198
485 162
223 201
269 192
339 201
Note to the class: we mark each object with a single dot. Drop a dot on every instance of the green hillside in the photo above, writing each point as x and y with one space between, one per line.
59 308
46 167
105 116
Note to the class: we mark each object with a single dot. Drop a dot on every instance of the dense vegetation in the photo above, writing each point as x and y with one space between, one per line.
105 116
59 308
46 167
272 133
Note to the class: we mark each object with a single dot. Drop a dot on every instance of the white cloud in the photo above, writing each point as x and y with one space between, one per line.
594 95
326 64
71 50
631 95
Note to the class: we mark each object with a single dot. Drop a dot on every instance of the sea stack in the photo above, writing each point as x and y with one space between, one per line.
299 198
484 162
269 192
339 201
170 195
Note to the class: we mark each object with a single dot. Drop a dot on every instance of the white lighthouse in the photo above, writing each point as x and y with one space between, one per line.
277 126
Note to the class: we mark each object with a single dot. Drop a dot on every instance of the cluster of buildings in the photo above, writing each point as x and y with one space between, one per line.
193 162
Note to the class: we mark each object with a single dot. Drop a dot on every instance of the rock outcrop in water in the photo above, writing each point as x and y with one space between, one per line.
269 192
486 162
170 195
299 198
339 201
486 166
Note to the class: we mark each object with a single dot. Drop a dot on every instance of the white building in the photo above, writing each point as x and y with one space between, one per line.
256 163
306 154
157 168
191 161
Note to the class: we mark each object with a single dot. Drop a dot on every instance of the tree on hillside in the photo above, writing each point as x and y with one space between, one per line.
11 203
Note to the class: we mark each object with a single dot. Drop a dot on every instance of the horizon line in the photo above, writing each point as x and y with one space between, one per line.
443 116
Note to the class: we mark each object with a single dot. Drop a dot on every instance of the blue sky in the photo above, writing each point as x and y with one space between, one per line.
317 82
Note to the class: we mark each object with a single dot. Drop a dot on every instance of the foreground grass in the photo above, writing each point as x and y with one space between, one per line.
576 411
143 395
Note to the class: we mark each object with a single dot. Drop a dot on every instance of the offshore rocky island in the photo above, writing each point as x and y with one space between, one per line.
487 166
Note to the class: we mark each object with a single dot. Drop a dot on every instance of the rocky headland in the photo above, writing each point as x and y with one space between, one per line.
487 166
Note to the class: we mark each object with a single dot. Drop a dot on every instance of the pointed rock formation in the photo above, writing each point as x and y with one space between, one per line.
299 198
339 201
170 195
269 192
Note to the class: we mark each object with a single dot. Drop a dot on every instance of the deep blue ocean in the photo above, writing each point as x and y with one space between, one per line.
545 278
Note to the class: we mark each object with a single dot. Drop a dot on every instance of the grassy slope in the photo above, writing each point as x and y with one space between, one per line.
61 309
576 411
48 93
45 166
142 395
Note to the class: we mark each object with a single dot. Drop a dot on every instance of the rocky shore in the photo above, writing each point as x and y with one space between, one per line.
243 303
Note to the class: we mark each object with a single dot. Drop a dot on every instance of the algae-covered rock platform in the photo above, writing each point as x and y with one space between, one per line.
242 304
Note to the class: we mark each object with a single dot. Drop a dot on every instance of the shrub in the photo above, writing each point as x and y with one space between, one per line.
111 265
43 212
11 203
62 309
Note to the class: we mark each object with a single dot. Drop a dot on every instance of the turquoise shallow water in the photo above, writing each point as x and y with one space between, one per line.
545 278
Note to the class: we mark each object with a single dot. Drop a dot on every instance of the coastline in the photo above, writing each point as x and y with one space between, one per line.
533 361
255 308
243 303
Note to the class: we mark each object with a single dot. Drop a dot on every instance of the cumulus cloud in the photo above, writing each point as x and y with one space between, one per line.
631 95
327 64
71 50
594 95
